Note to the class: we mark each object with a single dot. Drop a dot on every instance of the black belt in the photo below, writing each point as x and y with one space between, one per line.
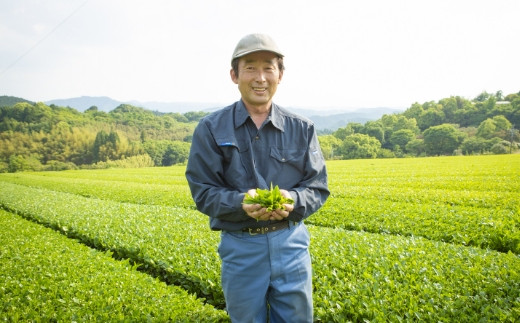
268 228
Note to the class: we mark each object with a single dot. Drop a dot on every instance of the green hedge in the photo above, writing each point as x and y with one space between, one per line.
46 277
494 228
152 186
173 243
373 277
357 275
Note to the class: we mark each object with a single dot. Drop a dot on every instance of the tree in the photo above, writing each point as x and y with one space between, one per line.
473 145
348 130
106 146
176 153
329 146
402 137
499 95
414 111
486 129
416 147
375 129
58 143
359 146
442 140
503 109
501 123
515 116
471 116
498 126
482 97
397 122
429 118
500 148
156 150
18 163
195 116
449 107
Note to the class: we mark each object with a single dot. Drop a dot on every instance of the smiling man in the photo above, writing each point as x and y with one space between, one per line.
251 144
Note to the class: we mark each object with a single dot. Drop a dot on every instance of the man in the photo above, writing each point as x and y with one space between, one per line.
253 143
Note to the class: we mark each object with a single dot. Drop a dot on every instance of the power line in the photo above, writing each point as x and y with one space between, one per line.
42 39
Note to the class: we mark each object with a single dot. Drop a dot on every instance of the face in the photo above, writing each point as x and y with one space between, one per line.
258 78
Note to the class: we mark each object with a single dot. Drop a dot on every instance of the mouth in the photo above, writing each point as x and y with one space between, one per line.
259 89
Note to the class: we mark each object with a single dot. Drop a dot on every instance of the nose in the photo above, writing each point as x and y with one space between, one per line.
260 76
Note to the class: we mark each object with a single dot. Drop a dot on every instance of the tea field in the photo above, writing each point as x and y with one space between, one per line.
426 239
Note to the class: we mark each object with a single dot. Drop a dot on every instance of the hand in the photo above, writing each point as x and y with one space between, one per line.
282 214
256 211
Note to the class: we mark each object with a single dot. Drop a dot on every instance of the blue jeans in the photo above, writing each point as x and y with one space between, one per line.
267 274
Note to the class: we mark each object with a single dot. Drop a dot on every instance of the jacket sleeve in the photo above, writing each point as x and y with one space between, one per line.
312 191
204 173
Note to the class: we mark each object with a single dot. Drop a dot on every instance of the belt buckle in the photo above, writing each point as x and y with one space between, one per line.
261 230
250 230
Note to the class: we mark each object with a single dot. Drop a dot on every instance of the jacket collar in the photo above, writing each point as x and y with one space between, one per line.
275 116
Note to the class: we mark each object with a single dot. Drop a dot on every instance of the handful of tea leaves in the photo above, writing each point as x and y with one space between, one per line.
270 199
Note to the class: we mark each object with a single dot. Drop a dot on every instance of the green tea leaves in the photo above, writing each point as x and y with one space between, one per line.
270 199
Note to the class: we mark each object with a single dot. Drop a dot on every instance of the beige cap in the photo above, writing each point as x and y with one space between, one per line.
255 43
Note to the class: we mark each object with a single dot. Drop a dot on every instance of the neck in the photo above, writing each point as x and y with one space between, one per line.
258 113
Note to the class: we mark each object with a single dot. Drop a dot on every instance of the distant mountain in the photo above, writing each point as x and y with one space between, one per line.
180 107
108 104
83 103
340 120
323 119
7 101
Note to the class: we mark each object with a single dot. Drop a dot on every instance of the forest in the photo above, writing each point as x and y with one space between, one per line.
35 137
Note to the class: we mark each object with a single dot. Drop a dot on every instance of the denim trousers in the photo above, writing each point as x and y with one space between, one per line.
267 275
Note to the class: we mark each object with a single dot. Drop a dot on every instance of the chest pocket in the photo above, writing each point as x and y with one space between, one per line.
289 158
235 154
232 148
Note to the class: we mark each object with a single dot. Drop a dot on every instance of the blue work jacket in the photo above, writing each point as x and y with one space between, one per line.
230 156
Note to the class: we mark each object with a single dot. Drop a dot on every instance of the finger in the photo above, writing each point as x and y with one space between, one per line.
251 207
282 213
276 216
286 194
264 216
289 207
259 214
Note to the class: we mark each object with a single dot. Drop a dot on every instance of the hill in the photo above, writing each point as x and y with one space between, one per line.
107 104
325 120
81 104
7 101
35 136
335 121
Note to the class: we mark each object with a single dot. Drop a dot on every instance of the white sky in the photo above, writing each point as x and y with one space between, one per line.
339 54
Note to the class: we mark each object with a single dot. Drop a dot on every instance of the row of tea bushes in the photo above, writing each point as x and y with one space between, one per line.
471 200
487 228
173 243
476 218
357 275
46 277
384 278
106 186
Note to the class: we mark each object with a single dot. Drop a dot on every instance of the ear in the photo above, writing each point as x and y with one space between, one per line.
234 77
280 77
